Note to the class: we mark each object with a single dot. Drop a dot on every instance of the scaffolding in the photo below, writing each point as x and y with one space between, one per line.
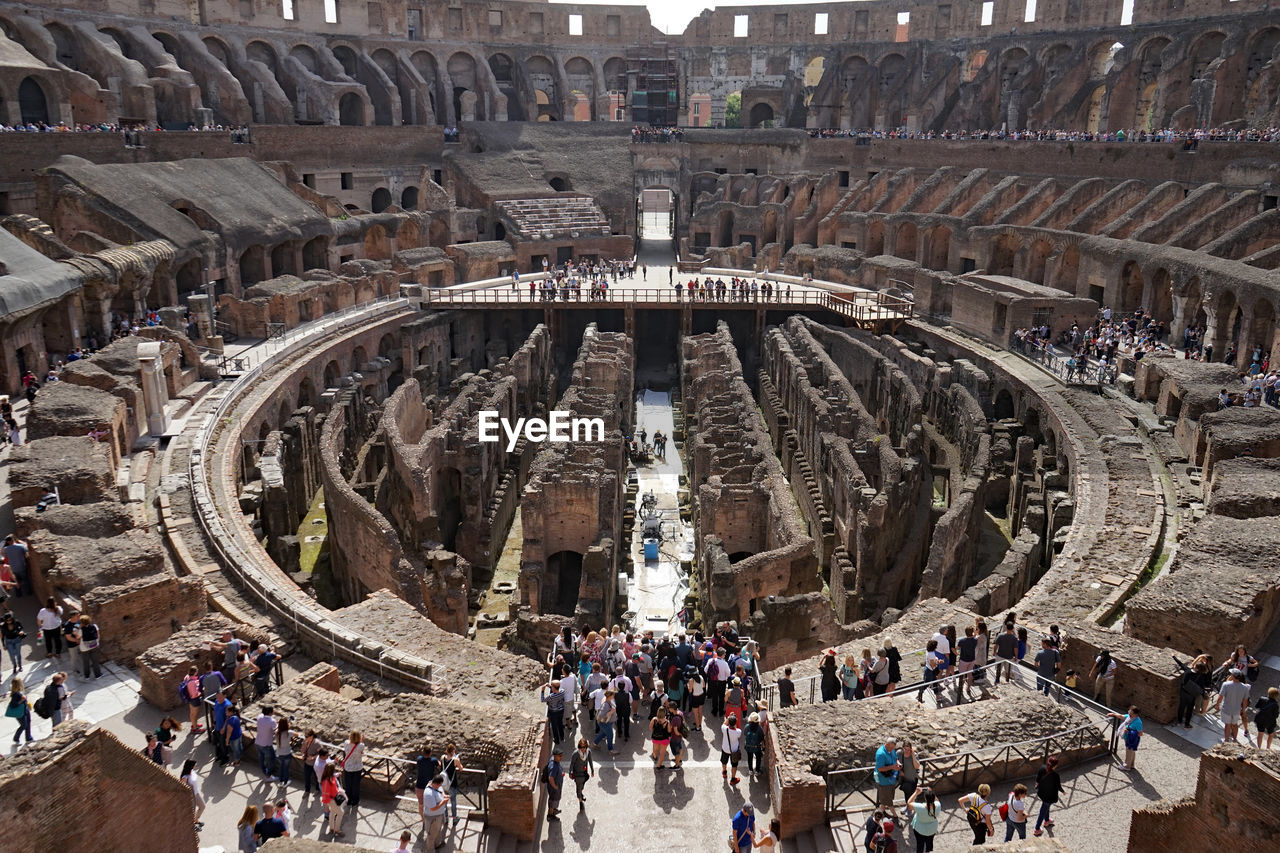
653 79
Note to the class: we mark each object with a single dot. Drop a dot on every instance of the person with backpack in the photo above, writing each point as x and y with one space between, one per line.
1014 812
978 812
1047 662
553 778
735 700
191 695
1048 789
581 769
1265 717
883 841
56 696
753 743
1130 730
451 767
924 818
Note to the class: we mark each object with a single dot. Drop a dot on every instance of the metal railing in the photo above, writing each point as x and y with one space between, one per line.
298 611
1071 369
858 305
390 775
856 787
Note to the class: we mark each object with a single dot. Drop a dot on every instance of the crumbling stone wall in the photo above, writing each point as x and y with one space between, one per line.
751 542
571 510
1237 791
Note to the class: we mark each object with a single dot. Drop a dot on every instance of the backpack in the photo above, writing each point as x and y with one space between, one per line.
41 707
546 773
189 690
734 699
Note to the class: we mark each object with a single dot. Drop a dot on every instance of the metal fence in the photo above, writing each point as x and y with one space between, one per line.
1071 369
855 788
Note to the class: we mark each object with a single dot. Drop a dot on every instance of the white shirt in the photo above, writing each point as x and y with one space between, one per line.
319 765
50 619
597 698
944 645
355 758
622 684
730 739
569 686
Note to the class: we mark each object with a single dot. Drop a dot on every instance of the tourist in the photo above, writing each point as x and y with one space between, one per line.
1047 662
1265 715
660 735
743 827
435 806
19 709
730 748
910 773
271 826
49 618
90 640
244 672
736 698
830 679
880 673
886 773
322 760
1246 663
553 777
554 700
426 767
233 735
771 838
263 665
966 660
15 550
717 681
1006 651
983 649
451 767
581 769
13 635
622 688
1233 699
1048 789
191 694
406 839
284 750
1104 674
211 682
192 779
153 750
1130 729
679 734
872 828
167 733
978 812
311 747
57 699
934 663
883 841
332 799
244 828
1016 814
606 716
849 679
786 691
353 769
264 741
924 818
1197 682
866 667
230 648
895 662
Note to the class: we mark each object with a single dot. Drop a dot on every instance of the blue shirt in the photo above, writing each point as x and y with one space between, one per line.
235 731
744 826
220 713
886 758
555 770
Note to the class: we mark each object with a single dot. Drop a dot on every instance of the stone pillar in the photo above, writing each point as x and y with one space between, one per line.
155 393
1210 329
1179 323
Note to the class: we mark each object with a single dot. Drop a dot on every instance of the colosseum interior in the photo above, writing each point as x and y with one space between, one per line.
866 318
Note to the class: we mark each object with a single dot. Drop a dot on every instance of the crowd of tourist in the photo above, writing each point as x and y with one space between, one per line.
1189 138
734 290
656 134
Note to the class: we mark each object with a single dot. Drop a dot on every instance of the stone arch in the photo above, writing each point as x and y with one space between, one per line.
1227 321
189 279
333 374
1261 50
1039 254
546 109
893 70
1131 287
359 358
904 240
307 393
875 237
1159 301
1193 309
253 266
580 77
315 254
347 59
761 115
33 104
1205 50
260 51
218 49
377 245
350 110
1056 60
541 72
939 248
1068 271
425 64
306 56
615 74
381 200
564 578
856 96
1003 251
282 259
1261 332
409 198
1102 57
1002 407
286 410
462 71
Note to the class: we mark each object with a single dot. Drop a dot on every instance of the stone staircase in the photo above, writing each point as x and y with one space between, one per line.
545 217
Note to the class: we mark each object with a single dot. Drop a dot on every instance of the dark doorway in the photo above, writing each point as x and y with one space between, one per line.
564 574
32 103
450 507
